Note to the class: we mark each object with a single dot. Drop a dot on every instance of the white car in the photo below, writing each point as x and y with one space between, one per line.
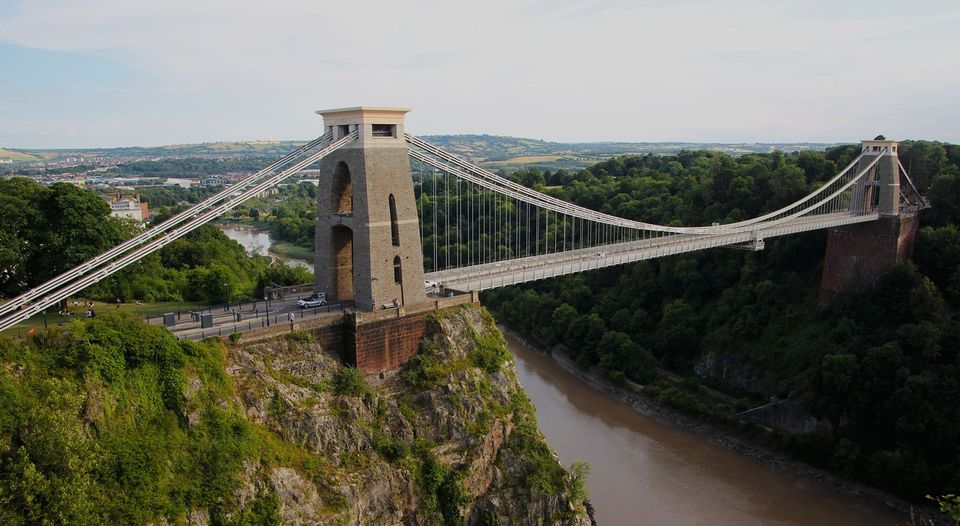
430 286
313 301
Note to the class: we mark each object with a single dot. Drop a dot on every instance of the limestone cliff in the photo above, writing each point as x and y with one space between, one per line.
448 439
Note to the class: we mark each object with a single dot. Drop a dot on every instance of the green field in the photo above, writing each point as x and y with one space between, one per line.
18 155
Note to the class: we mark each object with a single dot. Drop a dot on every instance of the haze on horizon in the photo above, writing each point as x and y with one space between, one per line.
105 73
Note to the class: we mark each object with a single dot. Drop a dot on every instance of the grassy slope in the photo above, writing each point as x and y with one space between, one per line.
111 421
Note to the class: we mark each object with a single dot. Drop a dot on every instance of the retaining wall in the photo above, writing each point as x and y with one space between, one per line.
858 255
371 341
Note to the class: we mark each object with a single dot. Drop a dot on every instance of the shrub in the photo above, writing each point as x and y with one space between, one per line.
301 337
441 488
348 381
489 352
391 449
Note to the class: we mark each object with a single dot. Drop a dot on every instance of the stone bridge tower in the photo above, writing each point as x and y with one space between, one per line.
860 254
368 236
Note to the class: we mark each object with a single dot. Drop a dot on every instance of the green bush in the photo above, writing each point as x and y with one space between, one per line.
949 504
348 381
301 337
425 370
391 449
441 488
489 352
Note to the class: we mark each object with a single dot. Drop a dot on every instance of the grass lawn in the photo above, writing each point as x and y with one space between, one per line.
289 250
146 309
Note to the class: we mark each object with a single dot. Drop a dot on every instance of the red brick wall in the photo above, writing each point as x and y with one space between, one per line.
333 338
859 255
373 342
385 344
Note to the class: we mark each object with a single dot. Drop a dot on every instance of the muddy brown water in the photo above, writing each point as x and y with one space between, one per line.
644 471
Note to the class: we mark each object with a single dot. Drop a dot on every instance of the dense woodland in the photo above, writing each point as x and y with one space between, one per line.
48 230
880 369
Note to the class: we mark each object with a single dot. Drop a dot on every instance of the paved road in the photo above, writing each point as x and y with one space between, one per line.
246 317
510 272
252 316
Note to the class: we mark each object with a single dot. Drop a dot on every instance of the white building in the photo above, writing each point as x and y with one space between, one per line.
129 206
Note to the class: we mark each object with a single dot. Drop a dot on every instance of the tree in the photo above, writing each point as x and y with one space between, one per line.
618 352
678 333
48 230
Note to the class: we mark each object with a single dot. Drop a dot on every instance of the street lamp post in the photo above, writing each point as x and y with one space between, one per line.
226 287
266 298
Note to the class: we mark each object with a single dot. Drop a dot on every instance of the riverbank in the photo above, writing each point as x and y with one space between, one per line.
258 241
751 447
255 225
288 250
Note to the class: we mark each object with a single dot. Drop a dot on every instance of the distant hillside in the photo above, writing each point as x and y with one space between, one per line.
492 151
18 155
202 150
511 153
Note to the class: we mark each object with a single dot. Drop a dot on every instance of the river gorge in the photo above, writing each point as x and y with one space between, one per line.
645 471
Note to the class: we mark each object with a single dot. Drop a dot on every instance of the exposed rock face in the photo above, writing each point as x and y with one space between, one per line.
449 439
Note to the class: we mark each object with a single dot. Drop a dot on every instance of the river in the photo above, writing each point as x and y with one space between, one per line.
258 242
644 471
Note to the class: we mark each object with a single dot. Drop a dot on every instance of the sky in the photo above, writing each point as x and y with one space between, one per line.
99 73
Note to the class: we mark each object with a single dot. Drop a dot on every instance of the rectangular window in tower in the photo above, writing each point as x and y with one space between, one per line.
384 130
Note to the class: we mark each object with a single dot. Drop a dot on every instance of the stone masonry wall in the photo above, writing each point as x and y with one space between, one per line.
859 255
371 341
386 344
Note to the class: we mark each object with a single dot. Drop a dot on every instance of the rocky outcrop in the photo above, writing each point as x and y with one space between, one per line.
448 439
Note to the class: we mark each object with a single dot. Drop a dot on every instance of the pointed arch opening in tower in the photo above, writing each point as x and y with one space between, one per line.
342 196
394 224
342 256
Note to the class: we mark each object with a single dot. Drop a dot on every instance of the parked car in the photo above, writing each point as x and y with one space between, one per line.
430 286
317 300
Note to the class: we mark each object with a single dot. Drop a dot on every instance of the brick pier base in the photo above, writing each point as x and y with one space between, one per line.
371 341
858 255
382 345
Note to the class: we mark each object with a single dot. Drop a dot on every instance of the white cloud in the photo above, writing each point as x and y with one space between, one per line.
570 70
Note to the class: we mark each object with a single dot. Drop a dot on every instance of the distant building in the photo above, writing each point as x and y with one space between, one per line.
129 206
269 191
6 161
214 181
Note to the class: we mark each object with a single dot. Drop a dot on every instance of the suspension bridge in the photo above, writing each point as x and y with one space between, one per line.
395 212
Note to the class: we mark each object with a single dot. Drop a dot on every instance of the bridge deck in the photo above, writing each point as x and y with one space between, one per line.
522 270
